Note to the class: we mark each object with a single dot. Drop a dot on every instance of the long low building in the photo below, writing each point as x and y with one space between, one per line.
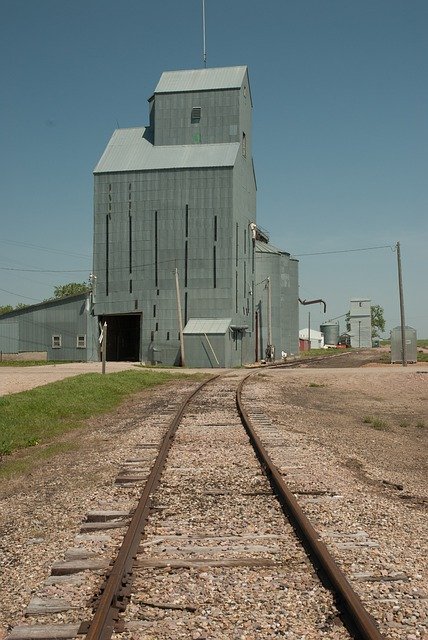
63 329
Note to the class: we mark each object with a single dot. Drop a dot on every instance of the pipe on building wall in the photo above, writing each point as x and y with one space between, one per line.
314 302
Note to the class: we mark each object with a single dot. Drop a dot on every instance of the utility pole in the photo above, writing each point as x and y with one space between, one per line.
204 34
309 330
402 321
104 347
180 319
269 304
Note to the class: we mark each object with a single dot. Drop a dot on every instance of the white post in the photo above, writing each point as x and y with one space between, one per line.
180 319
104 347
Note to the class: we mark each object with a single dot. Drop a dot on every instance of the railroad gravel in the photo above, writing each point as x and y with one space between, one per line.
370 508
354 445
41 512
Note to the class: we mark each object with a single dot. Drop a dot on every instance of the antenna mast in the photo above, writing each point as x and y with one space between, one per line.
203 32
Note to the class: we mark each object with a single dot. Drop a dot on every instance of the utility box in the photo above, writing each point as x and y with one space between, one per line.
411 345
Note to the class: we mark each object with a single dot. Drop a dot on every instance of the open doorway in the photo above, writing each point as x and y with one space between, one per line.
123 337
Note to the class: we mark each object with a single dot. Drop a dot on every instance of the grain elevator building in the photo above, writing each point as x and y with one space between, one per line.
175 202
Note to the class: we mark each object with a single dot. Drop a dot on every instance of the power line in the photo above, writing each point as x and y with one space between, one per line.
322 253
19 295
28 245
44 270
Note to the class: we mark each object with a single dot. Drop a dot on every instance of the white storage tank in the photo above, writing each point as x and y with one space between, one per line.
411 344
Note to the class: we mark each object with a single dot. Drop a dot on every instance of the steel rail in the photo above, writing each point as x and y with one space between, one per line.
361 620
117 584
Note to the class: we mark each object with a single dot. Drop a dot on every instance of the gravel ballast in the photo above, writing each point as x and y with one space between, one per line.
372 481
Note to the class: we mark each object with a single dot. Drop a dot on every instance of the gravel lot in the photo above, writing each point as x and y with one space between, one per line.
15 379
321 411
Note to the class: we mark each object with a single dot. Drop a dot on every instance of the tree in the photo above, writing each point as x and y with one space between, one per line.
5 309
70 289
377 320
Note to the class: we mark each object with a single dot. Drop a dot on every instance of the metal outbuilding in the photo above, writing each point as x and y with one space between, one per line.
211 343
410 338
62 329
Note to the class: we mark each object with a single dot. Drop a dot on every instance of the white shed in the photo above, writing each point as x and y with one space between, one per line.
317 338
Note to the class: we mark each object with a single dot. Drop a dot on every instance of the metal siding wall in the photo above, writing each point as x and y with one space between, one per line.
9 336
361 335
360 320
208 193
67 318
199 353
284 300
293 345
219 117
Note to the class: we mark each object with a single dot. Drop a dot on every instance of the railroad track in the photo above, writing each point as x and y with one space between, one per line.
208 551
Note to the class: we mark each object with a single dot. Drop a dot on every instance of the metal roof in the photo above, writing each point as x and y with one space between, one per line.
201 79
129 150
207 325
264 247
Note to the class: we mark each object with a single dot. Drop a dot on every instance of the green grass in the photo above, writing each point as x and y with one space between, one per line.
31 363
320 352
422 343
42 414
376 423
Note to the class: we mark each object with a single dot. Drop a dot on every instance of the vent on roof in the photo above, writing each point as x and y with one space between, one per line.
195 116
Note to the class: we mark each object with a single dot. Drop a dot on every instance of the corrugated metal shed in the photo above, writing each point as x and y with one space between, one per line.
129 150
207 325
201 79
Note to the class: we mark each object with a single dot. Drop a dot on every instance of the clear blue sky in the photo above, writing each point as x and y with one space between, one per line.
340 132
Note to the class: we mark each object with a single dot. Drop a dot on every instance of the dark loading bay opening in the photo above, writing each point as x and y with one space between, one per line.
123 337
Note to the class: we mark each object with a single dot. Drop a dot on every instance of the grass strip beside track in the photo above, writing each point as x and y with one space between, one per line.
39 416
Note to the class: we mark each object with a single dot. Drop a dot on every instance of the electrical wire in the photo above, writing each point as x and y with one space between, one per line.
323 253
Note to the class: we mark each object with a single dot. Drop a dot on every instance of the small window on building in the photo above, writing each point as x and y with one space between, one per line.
167 335
195 115
81 342
245 90
56 342
244 145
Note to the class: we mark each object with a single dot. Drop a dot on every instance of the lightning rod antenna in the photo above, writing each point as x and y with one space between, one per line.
203 32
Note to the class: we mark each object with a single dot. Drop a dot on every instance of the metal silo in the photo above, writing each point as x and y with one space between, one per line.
330 330
411 344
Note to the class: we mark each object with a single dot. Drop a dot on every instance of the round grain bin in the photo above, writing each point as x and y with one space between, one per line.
330 330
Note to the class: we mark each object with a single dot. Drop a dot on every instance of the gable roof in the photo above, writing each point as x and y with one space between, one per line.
129 150
201 79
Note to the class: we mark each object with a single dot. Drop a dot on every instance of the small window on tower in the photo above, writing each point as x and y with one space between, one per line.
244 145
195 116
